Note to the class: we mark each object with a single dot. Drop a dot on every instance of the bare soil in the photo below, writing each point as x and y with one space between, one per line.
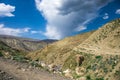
12 70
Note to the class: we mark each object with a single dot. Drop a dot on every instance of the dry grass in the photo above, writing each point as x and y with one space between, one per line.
100 49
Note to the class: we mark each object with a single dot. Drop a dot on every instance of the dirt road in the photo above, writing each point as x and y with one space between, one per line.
21 71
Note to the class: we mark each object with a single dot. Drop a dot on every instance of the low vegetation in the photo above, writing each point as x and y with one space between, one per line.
89 56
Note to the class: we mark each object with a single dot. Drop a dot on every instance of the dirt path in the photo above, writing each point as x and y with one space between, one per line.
22 72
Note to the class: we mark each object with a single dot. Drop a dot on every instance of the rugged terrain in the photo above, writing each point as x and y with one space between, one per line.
105 40
57 52
8 51
90 56
24 44
22 71
93 55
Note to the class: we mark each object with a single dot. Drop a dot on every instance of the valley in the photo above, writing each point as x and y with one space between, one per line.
93 55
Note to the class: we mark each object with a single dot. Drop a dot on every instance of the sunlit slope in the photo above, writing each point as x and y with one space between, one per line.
100 50
106 40
57 52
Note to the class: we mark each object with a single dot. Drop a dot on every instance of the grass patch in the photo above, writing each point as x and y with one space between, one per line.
70 62
1 54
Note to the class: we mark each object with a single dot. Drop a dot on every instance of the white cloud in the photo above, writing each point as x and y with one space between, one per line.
12 31
106 16
80 28
26 29
34 32
117 11
6 10
65 16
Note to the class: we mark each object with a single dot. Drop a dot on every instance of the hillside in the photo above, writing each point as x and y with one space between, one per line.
105 40
8 51
89 56
15 66
24 44
57 52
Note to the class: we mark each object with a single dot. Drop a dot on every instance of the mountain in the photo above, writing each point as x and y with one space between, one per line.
24 44
105 40
57 52
102 52
8 51
89 56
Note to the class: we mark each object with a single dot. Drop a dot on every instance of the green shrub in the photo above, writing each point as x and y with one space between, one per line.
89 67
19 58
98 57
35 64
105 70
1 54
75 76
99 79
117 74
88 77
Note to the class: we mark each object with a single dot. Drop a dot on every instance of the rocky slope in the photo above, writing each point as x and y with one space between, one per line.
24 44
56 52
8 51
24 71
105 40
90 56
6 76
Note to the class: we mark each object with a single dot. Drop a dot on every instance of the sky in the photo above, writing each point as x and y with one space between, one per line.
55 19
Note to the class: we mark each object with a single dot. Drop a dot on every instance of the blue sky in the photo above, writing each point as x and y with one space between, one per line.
55 19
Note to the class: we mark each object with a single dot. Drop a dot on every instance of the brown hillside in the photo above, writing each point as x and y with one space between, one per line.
57 52
105 40
100 52
24 44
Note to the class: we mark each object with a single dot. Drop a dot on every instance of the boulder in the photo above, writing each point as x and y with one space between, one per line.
79 59
80 71
67 73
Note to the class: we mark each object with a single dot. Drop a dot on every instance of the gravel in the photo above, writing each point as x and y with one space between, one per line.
5 76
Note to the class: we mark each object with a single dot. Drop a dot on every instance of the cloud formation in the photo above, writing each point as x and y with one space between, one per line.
106 16
65 17
118 11
6 10
36 32
11 31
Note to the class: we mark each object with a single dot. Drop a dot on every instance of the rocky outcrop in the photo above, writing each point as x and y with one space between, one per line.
79 59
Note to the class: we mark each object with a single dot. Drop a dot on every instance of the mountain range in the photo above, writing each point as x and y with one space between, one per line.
93 55
24 44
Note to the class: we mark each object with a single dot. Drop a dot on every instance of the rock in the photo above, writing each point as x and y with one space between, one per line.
10 78
51 66
23 69
80 71
79 59
54 68
43 64
2 72
30 67
5 76
68 73
18 67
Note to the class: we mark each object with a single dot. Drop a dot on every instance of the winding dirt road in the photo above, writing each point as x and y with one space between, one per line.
20 71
